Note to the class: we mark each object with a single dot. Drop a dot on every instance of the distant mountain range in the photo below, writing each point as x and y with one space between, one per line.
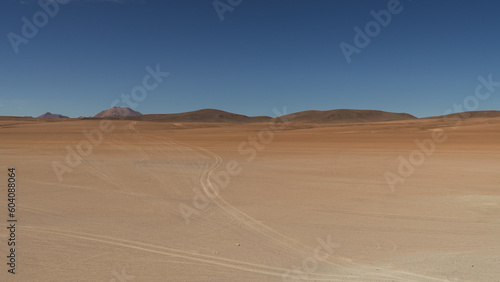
213 115
333 116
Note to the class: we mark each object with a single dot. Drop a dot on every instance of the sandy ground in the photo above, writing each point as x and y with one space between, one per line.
307 202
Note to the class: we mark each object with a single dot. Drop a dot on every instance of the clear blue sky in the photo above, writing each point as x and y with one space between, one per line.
264 54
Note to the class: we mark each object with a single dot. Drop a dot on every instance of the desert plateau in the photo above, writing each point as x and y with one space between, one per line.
254 201
249 141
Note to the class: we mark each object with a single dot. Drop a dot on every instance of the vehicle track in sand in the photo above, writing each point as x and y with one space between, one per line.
177 152
157 249
275 237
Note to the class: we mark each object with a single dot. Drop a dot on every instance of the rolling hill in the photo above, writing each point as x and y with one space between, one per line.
50 115
204 115
346 116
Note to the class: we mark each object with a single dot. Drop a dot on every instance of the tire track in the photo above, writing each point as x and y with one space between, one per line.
270 234
208 259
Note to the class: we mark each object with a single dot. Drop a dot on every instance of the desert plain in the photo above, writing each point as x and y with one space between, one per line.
160 201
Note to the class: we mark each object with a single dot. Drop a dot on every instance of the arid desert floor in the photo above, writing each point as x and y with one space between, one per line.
154 201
